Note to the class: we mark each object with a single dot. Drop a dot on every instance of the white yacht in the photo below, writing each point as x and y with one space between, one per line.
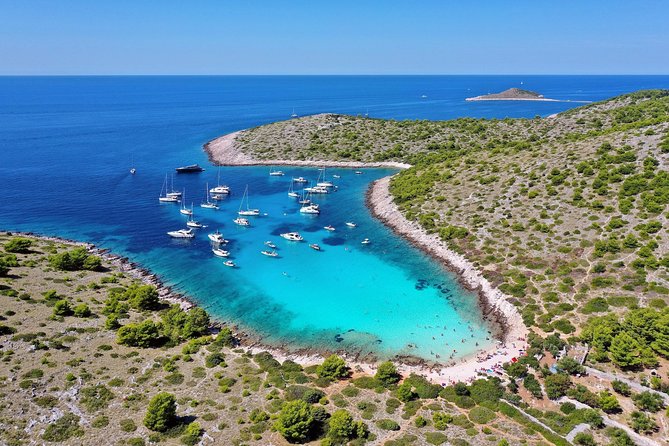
270 244
217 237
208 204
165 197
336 176
182 233
220 189
329 228
229 263
291 192
292 236
220 252
300 180
241 222
366 241
194 224
248 211
276 173
310 209
269 253
350 224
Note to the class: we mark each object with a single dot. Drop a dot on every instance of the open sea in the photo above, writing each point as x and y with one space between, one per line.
67 144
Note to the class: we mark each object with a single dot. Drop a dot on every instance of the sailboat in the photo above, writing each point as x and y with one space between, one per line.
324 182
220 189
172 192
184 210
293 115
208 204
166 198
248 210
132 165
291 192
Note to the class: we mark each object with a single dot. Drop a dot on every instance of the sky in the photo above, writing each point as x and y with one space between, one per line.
45 37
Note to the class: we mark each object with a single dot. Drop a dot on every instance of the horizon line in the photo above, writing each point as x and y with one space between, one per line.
319 74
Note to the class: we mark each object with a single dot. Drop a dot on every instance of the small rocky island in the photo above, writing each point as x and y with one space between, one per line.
512 94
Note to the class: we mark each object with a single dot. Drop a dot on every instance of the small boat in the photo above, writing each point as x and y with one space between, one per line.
317 190
192 168
208 204
291 192
366 241
329 228
310 209
133 171
269 253
423 96
221 189
241 222
167 198
220 252
358 172
350 224
217 237
194 224
300 180
176 195
229 263
305 201
217 197
184 210
270 244
276 173
336 176
182 233
315 246
292 236
248 210
293 115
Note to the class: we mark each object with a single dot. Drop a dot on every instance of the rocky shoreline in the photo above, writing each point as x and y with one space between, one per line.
222 151
494 304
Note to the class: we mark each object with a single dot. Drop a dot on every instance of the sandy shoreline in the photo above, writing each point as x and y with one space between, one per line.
223 152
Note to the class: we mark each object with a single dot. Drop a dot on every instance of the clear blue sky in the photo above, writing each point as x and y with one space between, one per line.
334 37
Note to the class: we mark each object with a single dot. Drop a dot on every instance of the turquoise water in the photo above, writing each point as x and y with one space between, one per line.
66 145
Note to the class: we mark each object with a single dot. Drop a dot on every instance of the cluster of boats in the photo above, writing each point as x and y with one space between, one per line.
217 193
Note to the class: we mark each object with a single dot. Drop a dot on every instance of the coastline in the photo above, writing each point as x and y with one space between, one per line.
464 369
223 152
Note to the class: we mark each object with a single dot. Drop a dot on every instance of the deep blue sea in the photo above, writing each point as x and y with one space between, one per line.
67 144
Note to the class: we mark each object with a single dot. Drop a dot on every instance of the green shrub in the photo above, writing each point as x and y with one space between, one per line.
63 428
387 425
18 245
161 413
333 368
481 415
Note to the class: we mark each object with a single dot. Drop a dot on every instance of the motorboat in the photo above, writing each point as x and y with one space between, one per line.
329 228
269 253
336 176
218 252
300 180
192 168
194 224
217 237
276 173
229 263
310 209
366 241
241 222
315 246
182 233
270 244
292 236
350 224
358 172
